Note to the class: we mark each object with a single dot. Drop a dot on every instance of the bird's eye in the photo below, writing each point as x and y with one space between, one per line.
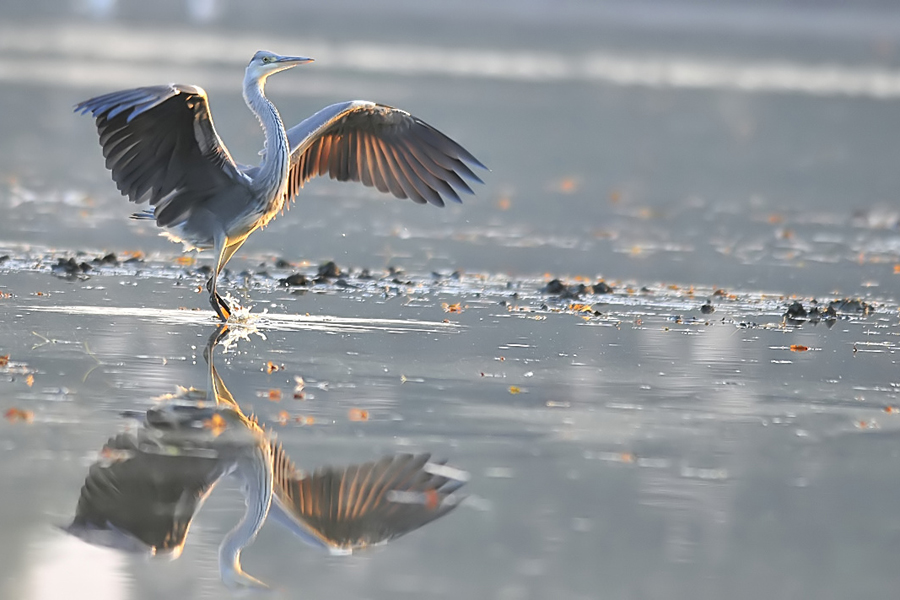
267 59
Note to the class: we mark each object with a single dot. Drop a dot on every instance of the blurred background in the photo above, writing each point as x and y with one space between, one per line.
688 141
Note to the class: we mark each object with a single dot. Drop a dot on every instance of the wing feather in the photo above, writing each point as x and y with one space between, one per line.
381 147
161 146
352 507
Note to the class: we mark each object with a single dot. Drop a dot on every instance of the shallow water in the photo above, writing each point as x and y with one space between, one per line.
631 444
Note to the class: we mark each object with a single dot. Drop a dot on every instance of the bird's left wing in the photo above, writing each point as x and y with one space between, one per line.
343 509
381 147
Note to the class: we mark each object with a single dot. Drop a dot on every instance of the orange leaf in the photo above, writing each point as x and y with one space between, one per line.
17 414
451 308
357 414
4 360
275 395
29 381
798 348
216 424
515 390
272 367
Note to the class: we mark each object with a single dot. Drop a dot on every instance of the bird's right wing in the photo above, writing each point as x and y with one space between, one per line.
381 147
161 146
343 509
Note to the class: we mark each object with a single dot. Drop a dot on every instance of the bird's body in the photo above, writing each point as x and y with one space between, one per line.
162 148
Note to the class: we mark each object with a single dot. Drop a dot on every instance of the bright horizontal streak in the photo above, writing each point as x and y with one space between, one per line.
140 53
264 321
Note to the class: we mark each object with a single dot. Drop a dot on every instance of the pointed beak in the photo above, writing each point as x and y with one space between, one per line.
290 61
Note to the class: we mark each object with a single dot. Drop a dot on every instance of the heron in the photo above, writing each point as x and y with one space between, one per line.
143 492
162 147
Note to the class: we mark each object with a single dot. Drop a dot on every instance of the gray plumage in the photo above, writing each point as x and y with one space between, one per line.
162 148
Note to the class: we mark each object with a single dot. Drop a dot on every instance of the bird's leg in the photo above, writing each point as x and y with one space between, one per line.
218 303
222 308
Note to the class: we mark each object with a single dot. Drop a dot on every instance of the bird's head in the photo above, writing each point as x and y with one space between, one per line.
266 63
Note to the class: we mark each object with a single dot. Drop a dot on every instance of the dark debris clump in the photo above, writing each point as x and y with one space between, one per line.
296 279
69 267
558 288
796 313
107 259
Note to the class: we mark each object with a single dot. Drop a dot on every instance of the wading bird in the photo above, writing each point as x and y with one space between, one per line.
161 146
147 485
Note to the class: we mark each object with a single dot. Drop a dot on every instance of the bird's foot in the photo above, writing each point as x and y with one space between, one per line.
222 308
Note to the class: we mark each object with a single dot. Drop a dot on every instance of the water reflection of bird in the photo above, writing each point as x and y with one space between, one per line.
161 146
143 492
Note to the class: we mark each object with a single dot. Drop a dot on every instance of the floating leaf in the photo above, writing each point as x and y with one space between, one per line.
515 389
274 395
581 308
567 185
29 380
357 414
451 308
17 414
272 367
216 424
799 348
4 360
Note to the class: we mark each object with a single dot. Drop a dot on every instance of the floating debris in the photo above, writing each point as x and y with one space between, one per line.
69 268
328 270
17 414
452 308
272 367
295 280
357 414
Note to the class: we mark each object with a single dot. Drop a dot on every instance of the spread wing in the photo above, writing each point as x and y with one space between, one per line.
381 147
361 505
161 146
139 501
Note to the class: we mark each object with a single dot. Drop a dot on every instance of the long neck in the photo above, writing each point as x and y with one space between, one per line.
273 167
255 471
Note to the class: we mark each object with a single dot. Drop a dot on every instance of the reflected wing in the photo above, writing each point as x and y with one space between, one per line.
161 146
139 501
381 147
362 505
